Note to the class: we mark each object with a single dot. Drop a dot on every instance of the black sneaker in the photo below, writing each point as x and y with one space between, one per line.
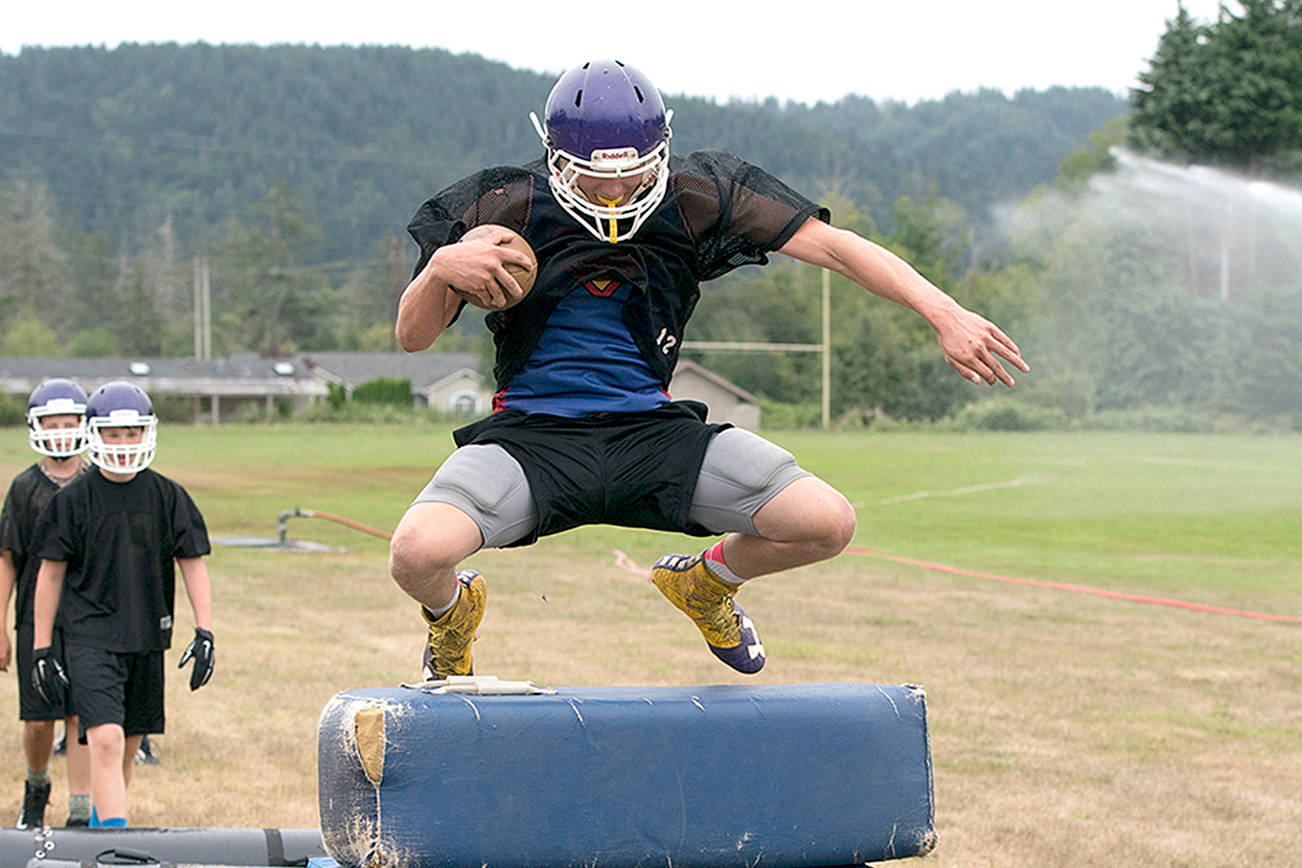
145 753
35 798
77 822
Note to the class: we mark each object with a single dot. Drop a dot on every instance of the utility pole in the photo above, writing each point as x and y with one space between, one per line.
198 310
202 309
207 311
1227 246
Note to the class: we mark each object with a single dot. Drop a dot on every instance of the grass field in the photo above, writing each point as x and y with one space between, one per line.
1067 729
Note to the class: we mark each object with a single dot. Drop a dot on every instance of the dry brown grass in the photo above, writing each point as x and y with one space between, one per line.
1066 730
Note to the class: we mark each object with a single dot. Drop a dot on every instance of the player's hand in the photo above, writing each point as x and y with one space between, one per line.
972 344
476 270
6 650
201 650
48 677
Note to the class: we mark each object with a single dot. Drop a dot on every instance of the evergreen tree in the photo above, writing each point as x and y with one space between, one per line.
1171 112
265 298
33 267
1228 93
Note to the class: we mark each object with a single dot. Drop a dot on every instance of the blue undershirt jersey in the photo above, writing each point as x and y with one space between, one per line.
586 361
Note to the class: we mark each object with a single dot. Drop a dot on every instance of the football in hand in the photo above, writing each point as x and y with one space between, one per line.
507 237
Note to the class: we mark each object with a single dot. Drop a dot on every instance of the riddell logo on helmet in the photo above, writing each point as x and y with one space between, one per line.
613 155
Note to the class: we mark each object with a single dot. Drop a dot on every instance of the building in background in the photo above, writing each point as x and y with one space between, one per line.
246 386
727 401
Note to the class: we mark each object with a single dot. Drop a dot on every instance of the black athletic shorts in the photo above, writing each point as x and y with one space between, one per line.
108 687
30 704
626 469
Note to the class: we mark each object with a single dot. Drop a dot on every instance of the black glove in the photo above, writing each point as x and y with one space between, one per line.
48 677
200 648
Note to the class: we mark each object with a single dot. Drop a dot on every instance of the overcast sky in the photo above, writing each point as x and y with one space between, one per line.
817 51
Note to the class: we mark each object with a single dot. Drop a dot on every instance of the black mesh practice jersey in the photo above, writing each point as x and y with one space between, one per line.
29 493
119 540
719 213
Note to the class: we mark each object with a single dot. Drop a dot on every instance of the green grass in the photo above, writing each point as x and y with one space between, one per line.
1134 512
1129 512
1212 517
1218 518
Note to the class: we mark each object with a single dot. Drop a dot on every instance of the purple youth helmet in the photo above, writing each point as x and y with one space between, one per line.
121 405
605 119
57 397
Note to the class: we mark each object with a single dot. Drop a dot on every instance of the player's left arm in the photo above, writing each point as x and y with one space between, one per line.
200 649
195 573
972 345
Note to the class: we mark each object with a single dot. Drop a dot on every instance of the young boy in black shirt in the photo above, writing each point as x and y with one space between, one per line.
56 430
107 543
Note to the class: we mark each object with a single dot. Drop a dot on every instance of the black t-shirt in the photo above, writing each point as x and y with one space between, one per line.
119 540
28 495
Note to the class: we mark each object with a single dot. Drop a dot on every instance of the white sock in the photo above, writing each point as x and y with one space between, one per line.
713 558
443 610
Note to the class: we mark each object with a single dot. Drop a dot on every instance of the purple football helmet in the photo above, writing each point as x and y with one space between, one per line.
57 397
121 405
605 119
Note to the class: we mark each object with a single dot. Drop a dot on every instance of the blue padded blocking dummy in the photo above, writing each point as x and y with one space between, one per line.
774 775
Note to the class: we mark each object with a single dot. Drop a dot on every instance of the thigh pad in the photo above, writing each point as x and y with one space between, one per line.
741 473
487 484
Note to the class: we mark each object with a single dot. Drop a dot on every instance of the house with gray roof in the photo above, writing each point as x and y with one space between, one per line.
440 382
447 382
217 387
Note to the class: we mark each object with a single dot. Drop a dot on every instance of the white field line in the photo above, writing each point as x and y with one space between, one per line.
967 489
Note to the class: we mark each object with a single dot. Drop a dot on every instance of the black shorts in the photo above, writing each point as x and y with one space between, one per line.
626 469
30 704
108 687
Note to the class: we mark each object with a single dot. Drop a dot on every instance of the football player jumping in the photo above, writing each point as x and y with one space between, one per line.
583 429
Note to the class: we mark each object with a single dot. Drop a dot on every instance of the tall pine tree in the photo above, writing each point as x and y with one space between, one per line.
1228 93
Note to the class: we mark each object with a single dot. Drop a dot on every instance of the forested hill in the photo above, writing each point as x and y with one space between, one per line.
123 138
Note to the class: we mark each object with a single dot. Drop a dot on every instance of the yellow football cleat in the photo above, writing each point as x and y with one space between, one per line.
708 601
451 634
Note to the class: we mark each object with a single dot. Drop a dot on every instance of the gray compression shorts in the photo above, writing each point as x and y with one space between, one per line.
741 472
